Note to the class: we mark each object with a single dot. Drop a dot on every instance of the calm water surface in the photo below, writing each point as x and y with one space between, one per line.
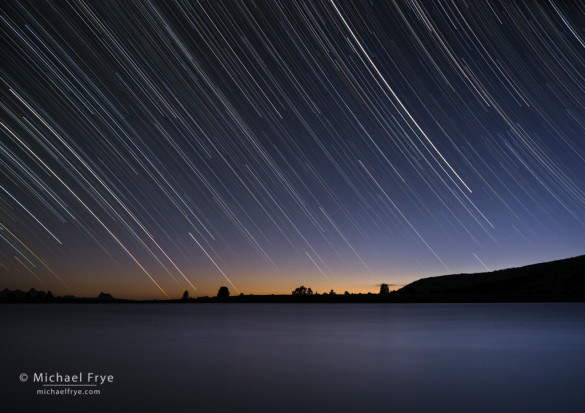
300 357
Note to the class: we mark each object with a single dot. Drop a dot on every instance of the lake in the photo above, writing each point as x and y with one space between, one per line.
295 357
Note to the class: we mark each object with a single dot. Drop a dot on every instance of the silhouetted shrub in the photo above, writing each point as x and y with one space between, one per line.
223 292
384 289
302 290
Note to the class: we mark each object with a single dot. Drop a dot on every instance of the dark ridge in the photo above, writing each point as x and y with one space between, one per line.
561 280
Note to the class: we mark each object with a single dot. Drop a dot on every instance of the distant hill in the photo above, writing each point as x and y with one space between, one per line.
561 280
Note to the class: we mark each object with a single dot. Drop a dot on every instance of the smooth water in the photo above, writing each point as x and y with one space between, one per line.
299 357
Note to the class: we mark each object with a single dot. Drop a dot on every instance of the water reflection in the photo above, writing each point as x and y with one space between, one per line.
303 357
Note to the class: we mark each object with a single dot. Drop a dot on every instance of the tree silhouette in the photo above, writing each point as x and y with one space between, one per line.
185 295
384 289
223 292
309 291
302 290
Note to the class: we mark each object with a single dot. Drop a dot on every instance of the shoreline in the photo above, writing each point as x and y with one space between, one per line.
287 299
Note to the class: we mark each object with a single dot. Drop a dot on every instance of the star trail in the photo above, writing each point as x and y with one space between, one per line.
152 147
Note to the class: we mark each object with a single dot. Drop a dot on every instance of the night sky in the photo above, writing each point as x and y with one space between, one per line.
149 148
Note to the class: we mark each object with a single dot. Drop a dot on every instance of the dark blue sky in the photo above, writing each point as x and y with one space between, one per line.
153 147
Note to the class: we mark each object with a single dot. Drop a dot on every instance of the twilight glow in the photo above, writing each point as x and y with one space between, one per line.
153 147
